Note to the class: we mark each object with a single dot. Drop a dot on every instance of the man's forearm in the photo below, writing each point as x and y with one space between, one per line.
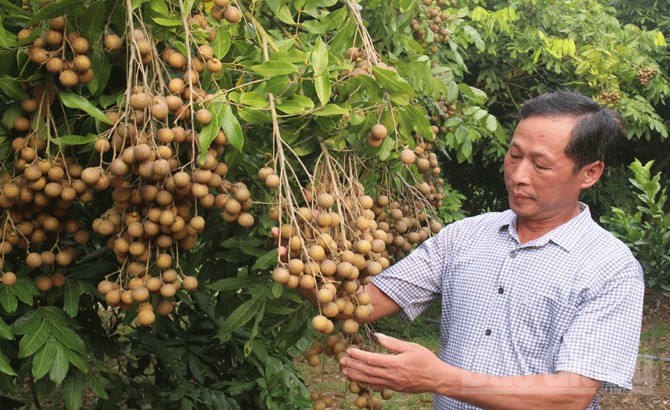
541 391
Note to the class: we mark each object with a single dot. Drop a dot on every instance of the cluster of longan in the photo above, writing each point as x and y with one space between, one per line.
406 226
158 184
363 61
376 135
61 53
223 10
645 74
432 17
335 346
335 249
444 112
36 197
609 98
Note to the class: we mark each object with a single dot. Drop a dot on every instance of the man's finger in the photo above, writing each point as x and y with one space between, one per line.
392 344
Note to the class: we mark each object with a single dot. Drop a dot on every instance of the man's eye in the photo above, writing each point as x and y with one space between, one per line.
540 167
515 156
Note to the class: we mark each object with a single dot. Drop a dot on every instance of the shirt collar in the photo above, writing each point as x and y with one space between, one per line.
565 236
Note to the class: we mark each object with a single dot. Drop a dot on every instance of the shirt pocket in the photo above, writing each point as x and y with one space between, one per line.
538 329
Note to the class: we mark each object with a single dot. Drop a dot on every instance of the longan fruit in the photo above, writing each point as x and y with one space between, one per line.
320 323
8 278
105 286
281 275
56 23
164 307
58 279
21 124
168 290
34 260
203 116
79 45
44 283
146 317
272 181
113 42
189 283
68 78
245 220
232 14
378 131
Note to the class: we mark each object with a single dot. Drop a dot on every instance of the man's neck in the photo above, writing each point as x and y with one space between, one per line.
529 229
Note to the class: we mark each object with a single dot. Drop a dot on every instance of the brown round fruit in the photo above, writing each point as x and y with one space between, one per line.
68 78
232 14
378 132
146 317
8 278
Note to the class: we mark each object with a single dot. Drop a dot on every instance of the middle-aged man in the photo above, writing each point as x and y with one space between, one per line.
540 306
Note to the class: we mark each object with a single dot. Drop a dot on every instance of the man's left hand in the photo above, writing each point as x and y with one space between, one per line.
412 369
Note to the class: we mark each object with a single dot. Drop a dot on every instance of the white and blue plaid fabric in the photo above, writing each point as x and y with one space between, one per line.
568 301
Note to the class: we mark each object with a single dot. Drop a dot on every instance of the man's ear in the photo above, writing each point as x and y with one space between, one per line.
591 173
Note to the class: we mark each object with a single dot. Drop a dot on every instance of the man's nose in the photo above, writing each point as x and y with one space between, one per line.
520 173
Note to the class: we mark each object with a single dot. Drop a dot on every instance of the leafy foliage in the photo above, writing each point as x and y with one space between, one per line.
645 227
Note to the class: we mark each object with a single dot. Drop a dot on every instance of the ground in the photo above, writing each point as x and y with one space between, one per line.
651 382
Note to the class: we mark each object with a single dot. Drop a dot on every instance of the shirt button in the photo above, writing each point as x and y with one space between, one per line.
512 254
501 290
488 332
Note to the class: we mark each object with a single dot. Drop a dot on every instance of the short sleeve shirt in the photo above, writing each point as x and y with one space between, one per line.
569 301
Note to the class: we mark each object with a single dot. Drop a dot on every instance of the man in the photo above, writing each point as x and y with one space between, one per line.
540 306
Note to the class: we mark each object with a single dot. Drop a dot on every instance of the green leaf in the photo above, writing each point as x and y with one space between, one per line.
60 365
241 315
72 100
5 330
254 99
31 342
281 11
265 261
491 123
319 58
231 127
58 8
5 367
68 337
239 241
77 360
292 106
221 43
159 7
24 289
420 123
96 384
330 110
73 390
11 87
452 92
43 359
392 82
254 116
323 88
209 131
272 69
72 291
8 300
29 322
91 26
234 284
166 22
102 68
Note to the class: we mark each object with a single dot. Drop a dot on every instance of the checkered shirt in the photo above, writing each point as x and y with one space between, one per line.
568 301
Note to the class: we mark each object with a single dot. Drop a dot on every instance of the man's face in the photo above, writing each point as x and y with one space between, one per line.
541 180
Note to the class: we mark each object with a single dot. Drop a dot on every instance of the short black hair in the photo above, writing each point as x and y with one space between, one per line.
596 131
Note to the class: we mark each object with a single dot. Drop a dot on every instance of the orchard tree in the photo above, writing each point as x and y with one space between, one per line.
615 53
149 148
